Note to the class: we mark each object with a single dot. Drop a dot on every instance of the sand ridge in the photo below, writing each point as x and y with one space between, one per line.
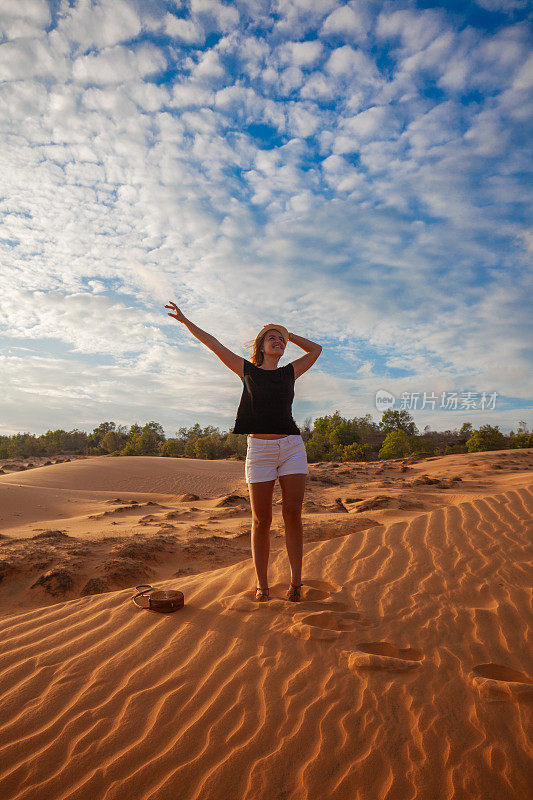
405 671
64 535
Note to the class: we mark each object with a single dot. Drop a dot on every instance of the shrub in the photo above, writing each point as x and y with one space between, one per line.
488 437
173 448
396 445
112 441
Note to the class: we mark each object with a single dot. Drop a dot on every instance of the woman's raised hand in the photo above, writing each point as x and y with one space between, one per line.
178 314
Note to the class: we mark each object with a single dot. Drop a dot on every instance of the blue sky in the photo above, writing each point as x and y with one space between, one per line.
359 172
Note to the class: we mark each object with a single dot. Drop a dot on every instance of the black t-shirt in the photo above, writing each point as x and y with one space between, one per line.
266 401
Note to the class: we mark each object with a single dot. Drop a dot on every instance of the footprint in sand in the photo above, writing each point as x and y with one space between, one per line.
328 625
503 681
347 621
318 590
381 656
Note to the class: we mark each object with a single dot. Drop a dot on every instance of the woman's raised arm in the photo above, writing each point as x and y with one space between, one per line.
234 362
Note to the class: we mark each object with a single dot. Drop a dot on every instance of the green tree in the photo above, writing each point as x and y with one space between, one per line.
134 430
23 445
145 441
210 447
237 444
451 449
422 446
522 438
157 430
173 448
393 420
306 428
318 447
355 452
61 441
519 440
149 442
100 431
335 438
466 430
113 441
345 433
488 437
396 445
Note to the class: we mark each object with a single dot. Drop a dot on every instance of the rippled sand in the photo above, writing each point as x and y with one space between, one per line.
405 671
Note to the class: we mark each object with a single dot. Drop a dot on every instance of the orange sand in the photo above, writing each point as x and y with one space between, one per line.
405 671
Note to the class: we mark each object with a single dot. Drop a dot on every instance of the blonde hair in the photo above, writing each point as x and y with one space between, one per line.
254 347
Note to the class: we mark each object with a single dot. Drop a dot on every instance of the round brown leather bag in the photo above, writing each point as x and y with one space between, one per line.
164 600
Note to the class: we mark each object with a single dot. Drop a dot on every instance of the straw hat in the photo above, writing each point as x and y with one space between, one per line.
281 328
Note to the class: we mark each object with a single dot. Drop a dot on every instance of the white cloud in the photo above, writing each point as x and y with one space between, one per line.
191 94
87 322
367 124
297 17
188 30
101 24
350 21
366 368
208 68
223 17
20 101
23 59
416 29
119 64
353 64
290 79
316 86
436 127
502 5
455 77
148 96
431 58
303 120
251 52
23 18
300 54
119 194
340 175
487 135
133 389
523 79
248 107
527 236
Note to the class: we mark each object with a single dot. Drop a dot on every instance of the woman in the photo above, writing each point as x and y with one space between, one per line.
275 447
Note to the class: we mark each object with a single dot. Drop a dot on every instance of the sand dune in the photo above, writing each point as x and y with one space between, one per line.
74 486
405 672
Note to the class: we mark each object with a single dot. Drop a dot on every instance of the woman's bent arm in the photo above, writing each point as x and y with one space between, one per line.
305 344
303 363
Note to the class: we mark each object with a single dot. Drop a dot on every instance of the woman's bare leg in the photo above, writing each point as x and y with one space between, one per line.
292 492
261 494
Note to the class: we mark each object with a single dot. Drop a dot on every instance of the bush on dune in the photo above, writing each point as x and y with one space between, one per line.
331 438
488 437
396 445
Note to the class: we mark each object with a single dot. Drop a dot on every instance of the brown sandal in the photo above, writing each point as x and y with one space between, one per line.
294 593
261 594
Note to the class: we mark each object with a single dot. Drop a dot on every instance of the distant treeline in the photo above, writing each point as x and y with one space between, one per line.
329 438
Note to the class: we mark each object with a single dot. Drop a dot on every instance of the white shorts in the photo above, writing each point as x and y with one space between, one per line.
266 459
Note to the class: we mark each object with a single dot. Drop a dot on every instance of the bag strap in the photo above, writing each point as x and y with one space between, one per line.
145 590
